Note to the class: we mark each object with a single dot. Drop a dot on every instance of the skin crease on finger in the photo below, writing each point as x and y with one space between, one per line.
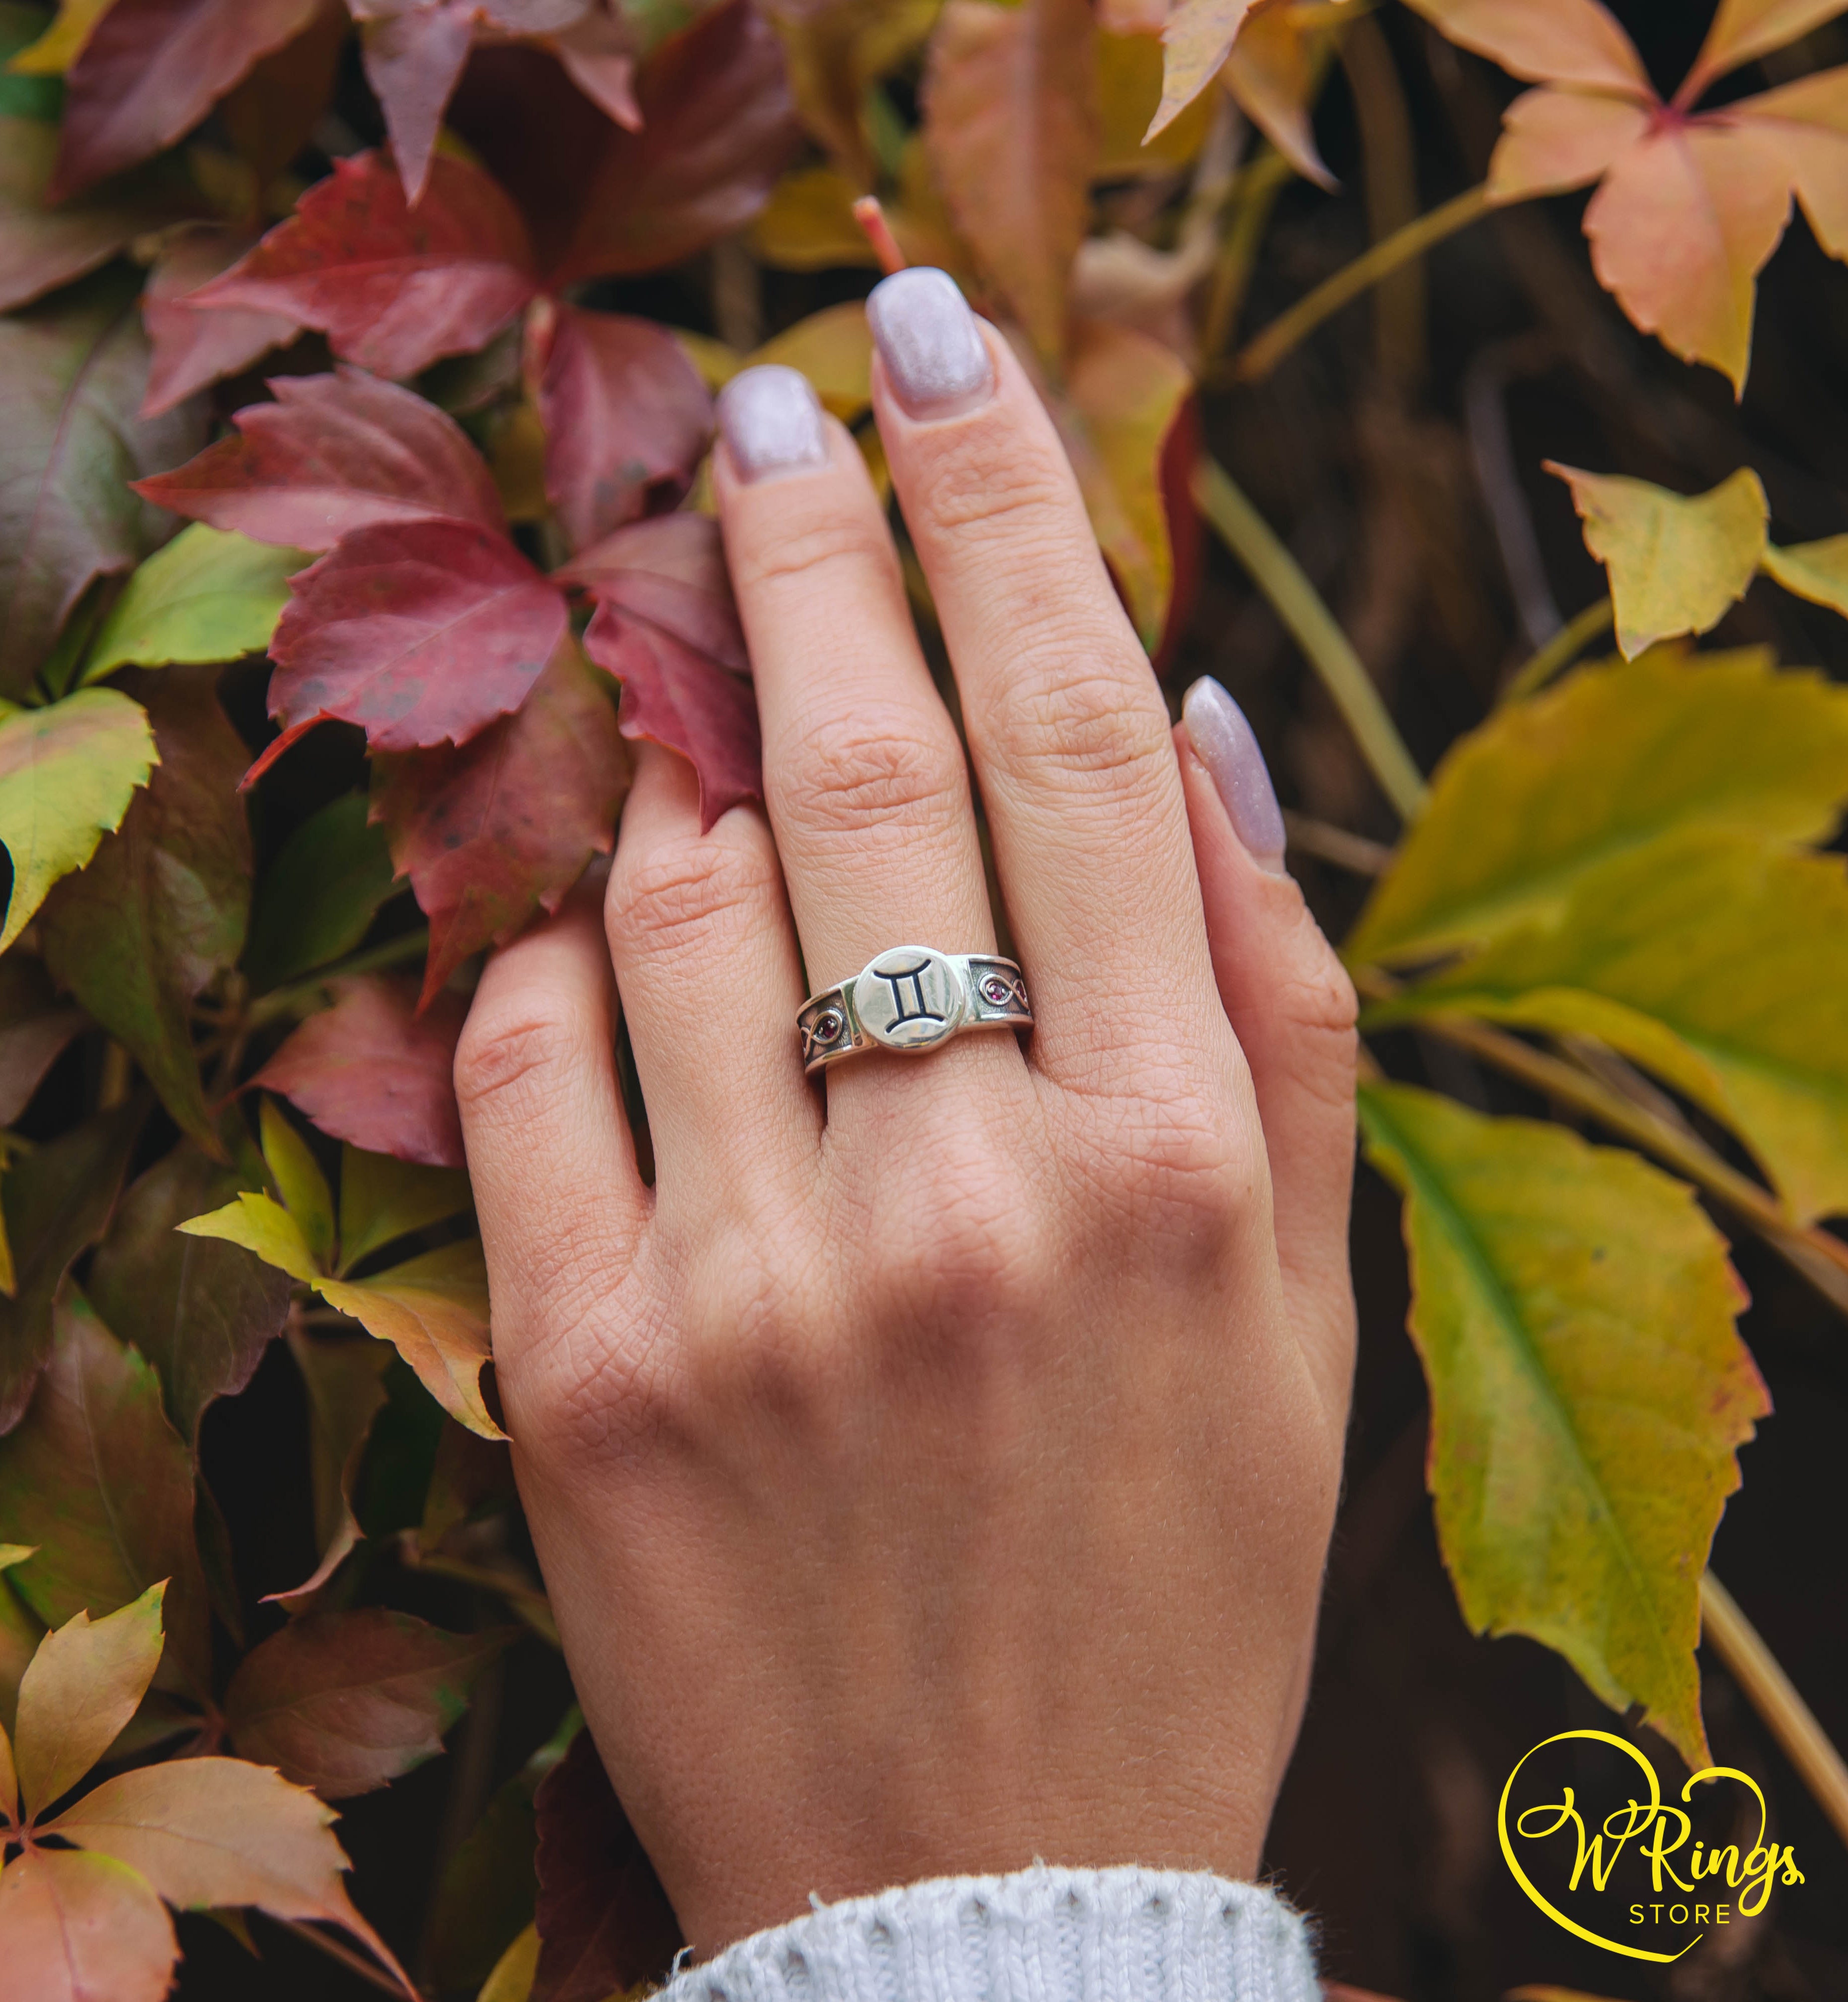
944 1483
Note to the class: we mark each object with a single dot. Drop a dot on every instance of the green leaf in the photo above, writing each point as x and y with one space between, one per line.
58 1201
299 1182
200 1312
382 1199
1676 564
25 96
210 595
97 1478
320 895
161 911
260 1224
1722 966
73 370
1613 758
1574 1311
67 772
1818 571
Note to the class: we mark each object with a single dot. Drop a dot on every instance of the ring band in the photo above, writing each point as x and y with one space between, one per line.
912 998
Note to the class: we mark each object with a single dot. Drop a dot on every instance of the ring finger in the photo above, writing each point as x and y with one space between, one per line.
865 780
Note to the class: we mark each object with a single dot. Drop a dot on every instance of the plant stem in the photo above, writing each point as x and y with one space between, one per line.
1328 843
1262 355
1821 1258
1558 654
301 997
1254 196
1391 180
1295 600
1771 1693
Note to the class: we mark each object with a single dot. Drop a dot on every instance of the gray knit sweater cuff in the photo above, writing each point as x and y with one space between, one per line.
1039 1935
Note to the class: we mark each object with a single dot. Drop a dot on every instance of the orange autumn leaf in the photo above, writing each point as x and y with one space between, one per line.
1273 72
1197 39
1690 204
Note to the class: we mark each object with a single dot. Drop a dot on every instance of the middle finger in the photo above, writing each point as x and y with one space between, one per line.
864 777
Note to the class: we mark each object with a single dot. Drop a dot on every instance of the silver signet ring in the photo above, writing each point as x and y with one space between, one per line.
911 998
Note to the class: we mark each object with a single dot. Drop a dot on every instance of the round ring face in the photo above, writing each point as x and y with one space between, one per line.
909 998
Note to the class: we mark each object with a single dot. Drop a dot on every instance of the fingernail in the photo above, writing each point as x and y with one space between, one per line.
771 422
1223 743
935 357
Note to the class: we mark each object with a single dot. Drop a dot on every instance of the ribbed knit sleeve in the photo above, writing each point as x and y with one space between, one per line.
1038 1935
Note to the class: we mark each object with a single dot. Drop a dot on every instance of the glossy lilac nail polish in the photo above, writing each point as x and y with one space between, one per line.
935 357
1223 743
771 423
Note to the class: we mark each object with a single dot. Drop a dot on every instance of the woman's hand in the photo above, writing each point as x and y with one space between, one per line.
937 1474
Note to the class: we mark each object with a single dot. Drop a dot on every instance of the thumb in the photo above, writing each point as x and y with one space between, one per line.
1292 1007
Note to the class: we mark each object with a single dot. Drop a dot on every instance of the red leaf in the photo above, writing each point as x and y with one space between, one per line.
603 1917
392 290
191 347
151 69
670 572
414 56
666 628
372 1071
345 1702
83 1928
34 1029
626 420
719 126
424 632
503 827
331 454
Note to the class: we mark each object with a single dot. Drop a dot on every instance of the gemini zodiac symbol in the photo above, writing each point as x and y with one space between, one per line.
899 979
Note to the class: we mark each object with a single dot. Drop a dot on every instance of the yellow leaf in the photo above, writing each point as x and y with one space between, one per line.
1010 121
1129 87
1574 1310
1818 571
1744 29
63 42
1274 71
1681 227
834 50
433 1310
516 457
260 1224
1573 42
833 349
1718 964
85 1683
1611 760
715 362
1197 39
299 1182
1807 122
1555 140
512 1979
1676 564
1127 390
808 224
67 773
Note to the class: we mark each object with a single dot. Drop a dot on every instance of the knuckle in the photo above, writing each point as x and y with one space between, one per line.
853 773
992 482
810 552
671 903
1100 727
513 1056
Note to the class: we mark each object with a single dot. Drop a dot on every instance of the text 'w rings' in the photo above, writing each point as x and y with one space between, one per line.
911 998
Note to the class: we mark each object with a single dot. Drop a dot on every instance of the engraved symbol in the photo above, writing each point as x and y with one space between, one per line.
995 990
822 1034
912 977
